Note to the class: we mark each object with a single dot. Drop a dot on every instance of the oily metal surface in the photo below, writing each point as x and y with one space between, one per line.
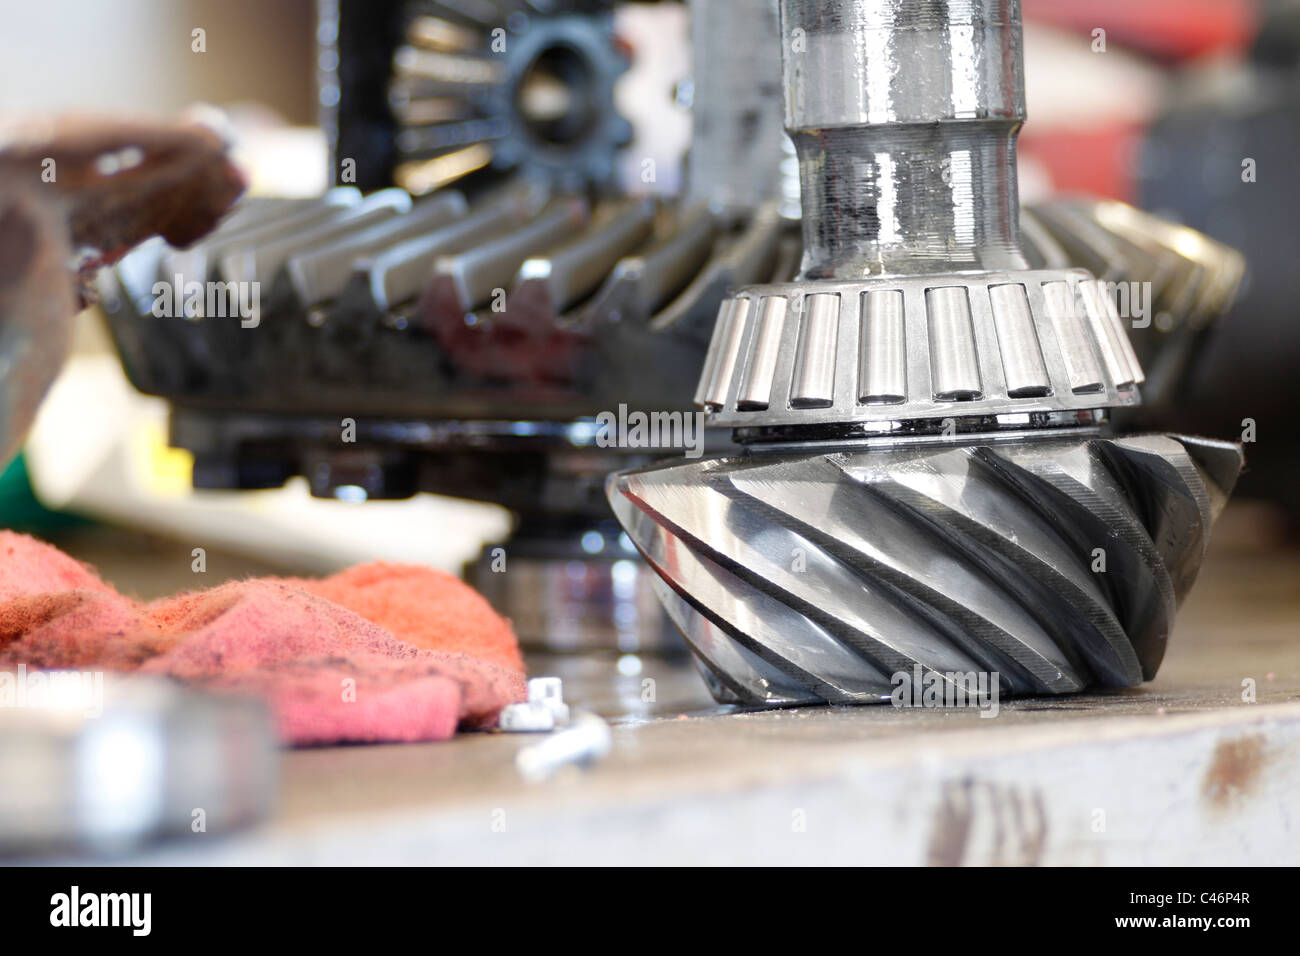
915 299
1053 564
818 570
898 348
904 116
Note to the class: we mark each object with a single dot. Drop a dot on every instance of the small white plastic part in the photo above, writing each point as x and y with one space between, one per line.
526 718
549 693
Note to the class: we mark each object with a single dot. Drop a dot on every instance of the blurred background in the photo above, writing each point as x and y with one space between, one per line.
1159 103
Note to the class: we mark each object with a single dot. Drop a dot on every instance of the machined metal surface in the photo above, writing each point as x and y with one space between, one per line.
1053 564
517 302
915 299
473 337
906 347
424 93
108 762
1172 282
529 89
905 121
928 493
473 341
581 589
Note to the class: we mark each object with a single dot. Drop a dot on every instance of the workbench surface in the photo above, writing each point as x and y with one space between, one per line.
1183 770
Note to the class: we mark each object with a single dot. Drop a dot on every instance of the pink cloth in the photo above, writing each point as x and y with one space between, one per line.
330 674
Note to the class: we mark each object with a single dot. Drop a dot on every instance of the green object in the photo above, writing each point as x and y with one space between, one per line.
20 510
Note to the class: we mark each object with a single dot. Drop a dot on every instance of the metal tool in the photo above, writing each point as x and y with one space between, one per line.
926 480
106 762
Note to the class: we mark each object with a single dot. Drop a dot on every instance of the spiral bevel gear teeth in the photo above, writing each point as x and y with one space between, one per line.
1056 564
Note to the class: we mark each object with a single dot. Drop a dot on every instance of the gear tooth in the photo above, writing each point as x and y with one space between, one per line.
1176 500
1220 462
732 670
848 630
1076 486
452 91
915 564
834 586
825 575
772 632
987 519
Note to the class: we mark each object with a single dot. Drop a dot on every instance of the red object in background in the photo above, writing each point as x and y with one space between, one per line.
1168 29
1099 161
